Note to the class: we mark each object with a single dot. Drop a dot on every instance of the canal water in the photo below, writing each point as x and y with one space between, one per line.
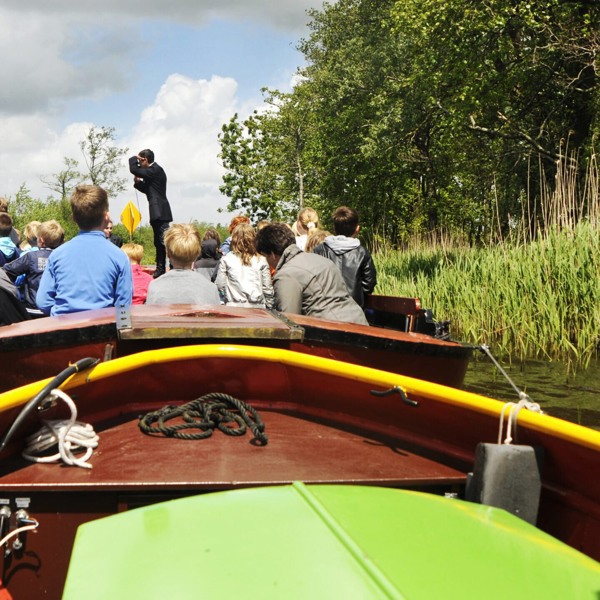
573 396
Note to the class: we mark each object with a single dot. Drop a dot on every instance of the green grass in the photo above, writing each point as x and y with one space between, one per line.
541 299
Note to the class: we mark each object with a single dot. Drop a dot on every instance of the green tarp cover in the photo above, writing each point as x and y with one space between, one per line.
323 541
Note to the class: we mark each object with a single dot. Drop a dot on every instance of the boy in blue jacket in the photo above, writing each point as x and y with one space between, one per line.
86 272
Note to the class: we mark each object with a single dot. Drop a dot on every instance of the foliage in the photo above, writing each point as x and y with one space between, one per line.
264 157
102 161
540 299
426 115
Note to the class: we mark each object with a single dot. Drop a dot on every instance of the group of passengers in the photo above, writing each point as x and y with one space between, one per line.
299 269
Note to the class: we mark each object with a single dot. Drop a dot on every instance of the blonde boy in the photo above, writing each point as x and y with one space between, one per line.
182 285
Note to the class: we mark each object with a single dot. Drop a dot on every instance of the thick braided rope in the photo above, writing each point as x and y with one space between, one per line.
212 411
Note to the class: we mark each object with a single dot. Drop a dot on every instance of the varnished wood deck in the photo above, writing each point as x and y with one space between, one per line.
298 449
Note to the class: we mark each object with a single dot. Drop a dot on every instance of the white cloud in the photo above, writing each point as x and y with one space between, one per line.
182 128
62 54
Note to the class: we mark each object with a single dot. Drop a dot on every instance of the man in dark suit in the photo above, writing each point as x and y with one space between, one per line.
151 179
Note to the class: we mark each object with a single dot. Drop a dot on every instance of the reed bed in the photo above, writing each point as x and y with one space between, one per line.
540 299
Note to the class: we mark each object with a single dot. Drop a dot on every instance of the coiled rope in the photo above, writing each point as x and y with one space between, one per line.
70 435
207 413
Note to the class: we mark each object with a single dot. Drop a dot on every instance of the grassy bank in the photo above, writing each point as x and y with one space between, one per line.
540 299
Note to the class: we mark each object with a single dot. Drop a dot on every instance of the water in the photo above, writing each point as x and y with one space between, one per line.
571 396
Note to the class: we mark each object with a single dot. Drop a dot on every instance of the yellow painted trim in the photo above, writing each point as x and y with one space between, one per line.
439 393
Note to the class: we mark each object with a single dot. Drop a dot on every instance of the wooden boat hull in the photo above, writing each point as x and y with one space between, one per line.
33 350
325 426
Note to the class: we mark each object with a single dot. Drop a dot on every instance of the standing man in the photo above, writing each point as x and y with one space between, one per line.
151 179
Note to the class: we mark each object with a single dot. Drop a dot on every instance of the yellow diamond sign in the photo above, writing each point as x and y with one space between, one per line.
131 217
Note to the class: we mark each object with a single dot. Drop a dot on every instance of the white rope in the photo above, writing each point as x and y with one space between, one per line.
17 531
513 413
70 435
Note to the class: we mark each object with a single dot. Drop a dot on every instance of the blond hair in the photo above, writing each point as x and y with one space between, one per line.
3 204
89 205
182 241
308 222
243 242
318 237
31 232
52 233
135 252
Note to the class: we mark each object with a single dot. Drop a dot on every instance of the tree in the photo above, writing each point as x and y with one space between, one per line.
427 115
64 181
268 174
103 160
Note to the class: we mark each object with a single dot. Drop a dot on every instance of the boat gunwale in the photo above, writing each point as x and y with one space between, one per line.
542 423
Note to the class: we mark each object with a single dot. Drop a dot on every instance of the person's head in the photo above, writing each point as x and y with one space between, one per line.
6 224
272 240
262 224
210 249
236 221
31 232
182 242
108 229
212 234
318 237
345 221
146 157
308 220
243 242
3 204
89 205
135 252
50 234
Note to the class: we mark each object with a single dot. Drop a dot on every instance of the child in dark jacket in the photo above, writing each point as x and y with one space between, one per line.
353 260
26 271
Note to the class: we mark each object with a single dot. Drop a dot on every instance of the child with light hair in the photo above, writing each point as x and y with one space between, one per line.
30 234
27 270
243 276
181 284
305 226
141 279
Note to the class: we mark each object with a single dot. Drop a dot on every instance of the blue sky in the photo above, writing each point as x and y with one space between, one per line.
166 79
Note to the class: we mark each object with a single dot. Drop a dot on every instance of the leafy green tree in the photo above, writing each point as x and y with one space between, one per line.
268 173
103 160
65 181
426 115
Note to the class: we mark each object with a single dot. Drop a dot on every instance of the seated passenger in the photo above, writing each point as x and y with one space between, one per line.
86 272
244 278
181 284
305 283
141 279
27 270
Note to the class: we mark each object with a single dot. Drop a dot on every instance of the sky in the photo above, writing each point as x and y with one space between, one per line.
165 74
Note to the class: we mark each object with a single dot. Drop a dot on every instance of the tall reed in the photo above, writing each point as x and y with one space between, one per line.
540 299
524 298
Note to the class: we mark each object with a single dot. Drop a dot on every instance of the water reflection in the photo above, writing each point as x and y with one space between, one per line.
573 397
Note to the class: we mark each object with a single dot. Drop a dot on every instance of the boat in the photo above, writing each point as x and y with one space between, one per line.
294 418
404 338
